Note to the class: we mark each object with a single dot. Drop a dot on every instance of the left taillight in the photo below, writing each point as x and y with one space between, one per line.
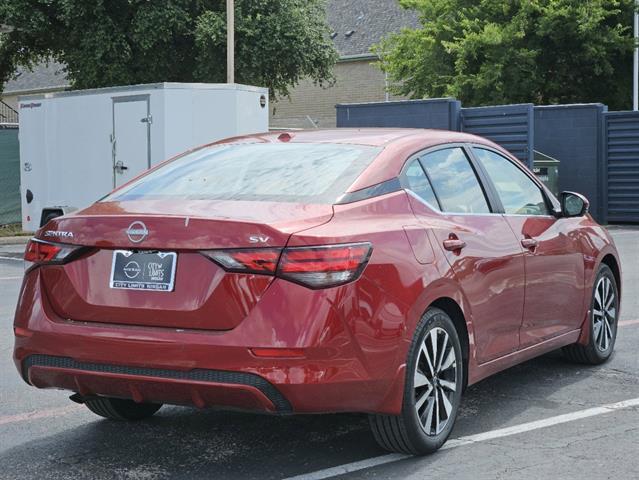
39 252
314 267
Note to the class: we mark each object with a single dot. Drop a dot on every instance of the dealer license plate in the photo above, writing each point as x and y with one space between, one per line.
143 270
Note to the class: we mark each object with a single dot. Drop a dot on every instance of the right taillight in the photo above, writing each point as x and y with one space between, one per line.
314 267
325 266
246 260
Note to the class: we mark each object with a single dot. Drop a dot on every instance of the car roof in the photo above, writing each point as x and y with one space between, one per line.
396 144
376 137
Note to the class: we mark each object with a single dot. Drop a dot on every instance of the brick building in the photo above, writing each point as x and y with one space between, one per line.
356 25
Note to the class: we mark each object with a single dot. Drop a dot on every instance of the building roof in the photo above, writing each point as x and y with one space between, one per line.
44 76
356 25
368 20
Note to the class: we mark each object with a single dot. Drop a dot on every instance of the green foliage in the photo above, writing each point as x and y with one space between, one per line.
513 51
120 42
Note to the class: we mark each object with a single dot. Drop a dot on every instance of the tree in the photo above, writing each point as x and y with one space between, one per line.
120 42
493 52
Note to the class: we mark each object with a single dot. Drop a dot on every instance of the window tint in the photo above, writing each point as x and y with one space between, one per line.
293 172
455 182
418 183
518 193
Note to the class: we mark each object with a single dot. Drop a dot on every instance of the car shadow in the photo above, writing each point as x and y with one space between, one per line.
187 443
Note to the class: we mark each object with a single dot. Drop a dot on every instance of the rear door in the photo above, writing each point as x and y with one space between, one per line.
131 138
479 245
553 258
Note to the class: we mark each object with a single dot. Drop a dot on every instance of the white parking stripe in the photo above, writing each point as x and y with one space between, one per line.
470 439
11 258
11 278
38 414
623 232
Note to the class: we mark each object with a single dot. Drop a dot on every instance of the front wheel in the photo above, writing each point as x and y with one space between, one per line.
604 313
432 391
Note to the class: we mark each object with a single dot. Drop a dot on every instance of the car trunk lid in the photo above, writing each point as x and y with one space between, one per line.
204 295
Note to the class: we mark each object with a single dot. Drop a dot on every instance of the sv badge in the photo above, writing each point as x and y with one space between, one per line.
258 239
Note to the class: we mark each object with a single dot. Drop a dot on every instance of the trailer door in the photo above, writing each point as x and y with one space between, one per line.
131 138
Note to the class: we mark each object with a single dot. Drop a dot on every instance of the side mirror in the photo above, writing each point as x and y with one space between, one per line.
573 204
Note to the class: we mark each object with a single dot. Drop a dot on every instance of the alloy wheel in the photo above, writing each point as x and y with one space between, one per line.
435 381
604 313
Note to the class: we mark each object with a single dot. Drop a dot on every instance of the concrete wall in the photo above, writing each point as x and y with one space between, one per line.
356 81
573 135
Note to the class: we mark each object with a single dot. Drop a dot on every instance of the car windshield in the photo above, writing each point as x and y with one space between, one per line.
302 172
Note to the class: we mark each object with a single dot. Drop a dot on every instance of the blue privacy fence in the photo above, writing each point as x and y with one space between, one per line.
598 150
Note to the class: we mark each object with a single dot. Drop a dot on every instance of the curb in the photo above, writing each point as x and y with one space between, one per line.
22 240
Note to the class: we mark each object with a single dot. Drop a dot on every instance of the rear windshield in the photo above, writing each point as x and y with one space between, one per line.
292 172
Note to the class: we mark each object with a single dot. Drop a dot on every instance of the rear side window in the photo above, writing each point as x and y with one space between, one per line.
454 181
417 182
293 172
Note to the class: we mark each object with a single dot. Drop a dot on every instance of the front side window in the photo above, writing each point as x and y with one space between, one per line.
291 172
518 193
455 181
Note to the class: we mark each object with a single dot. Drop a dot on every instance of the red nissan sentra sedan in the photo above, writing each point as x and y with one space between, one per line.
377 271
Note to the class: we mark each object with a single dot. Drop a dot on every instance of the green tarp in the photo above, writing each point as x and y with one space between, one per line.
9 176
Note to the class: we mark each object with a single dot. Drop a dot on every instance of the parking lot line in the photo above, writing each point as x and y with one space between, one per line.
11 278
36 414
471 439
627 323
11 258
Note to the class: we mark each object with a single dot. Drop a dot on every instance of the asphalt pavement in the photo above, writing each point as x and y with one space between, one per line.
545 418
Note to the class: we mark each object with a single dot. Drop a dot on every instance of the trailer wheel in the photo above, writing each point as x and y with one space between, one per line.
48 215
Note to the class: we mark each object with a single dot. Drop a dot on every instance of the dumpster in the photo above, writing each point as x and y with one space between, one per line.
546 169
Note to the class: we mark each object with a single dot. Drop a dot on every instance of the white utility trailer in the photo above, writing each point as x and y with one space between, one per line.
75 147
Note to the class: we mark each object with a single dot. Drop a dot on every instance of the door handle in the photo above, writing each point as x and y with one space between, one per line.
529 243
454 244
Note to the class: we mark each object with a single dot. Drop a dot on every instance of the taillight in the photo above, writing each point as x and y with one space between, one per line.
40 252
326 266
246 260
314 267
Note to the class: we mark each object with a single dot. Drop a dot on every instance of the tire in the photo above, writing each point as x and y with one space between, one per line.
603 325
50 216
121 409
416 431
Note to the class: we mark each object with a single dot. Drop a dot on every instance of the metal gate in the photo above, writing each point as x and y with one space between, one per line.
621 161
10 174
511 126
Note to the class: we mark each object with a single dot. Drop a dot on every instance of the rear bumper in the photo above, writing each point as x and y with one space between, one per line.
201 388
340 371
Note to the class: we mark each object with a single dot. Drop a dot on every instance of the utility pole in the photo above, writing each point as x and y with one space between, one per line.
230 41
635 76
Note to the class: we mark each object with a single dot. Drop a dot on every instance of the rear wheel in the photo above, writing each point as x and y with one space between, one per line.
604 311
121 409
432 392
